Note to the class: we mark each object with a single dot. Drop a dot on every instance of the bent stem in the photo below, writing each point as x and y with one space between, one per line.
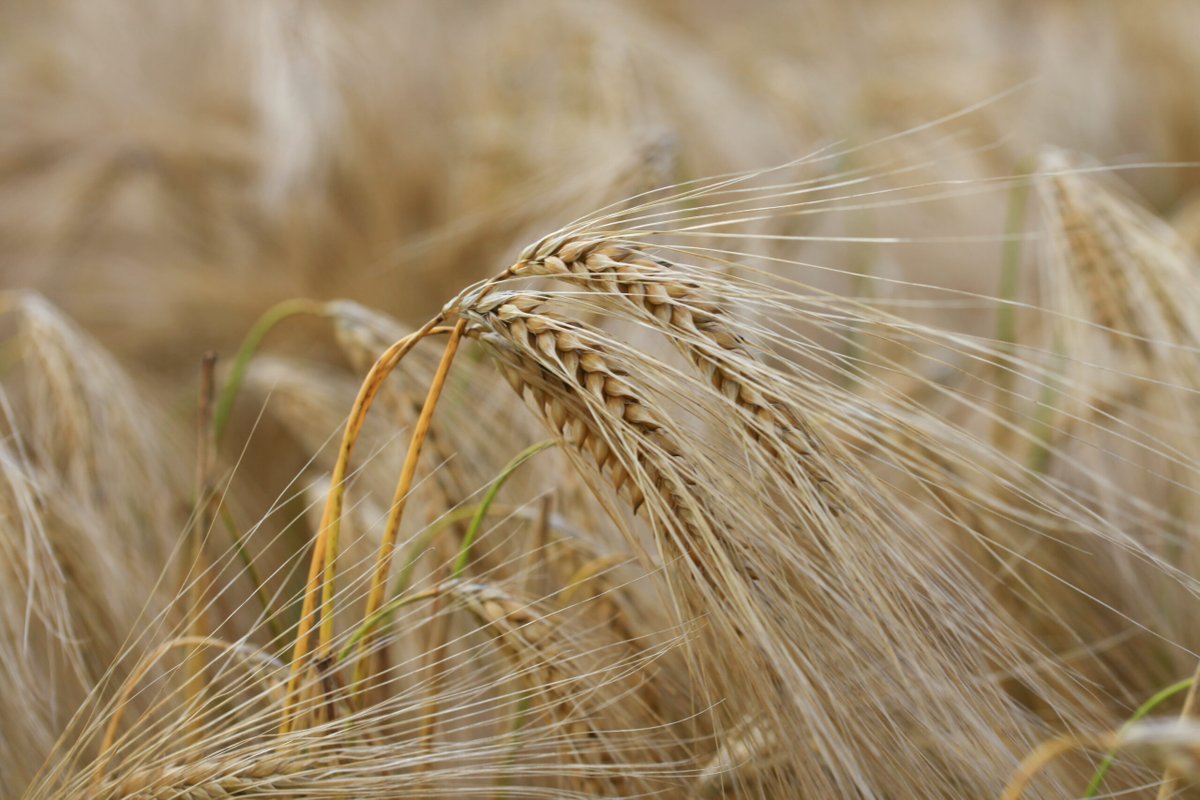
1166 789
427 537
464 553
392 606
254 339
387 546
1037 761
1159 697
331 516
400 594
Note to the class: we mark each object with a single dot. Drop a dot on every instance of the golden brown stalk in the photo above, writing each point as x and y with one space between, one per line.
327 536
387 547
363 334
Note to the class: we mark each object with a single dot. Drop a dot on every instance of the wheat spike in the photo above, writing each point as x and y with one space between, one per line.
554 363
662 294
215 779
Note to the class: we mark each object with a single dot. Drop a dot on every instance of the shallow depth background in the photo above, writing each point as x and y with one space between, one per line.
168 170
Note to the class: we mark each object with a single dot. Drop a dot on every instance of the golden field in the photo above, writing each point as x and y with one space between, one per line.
611 399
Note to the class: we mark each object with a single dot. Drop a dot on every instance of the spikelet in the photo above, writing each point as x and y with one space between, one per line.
666 297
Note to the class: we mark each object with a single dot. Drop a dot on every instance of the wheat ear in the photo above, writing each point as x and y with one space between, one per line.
215 779
567 374
660 293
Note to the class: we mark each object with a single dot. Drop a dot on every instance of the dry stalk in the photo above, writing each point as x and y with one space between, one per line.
399 500
363 334
325 546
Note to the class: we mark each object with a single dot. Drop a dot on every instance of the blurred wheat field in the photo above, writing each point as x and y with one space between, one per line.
566 399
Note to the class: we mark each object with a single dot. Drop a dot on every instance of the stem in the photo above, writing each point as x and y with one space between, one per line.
388 608
464 553
260 591
241 362
1189 706
387 546
426 538
331 517
1010 263
1042 424
1006 312
1159 697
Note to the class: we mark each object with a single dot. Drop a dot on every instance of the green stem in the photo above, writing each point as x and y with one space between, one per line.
399 597
251 571
1010 263
425 539
237 374
464 553
1006 310
1043 416
385 611
1159 697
